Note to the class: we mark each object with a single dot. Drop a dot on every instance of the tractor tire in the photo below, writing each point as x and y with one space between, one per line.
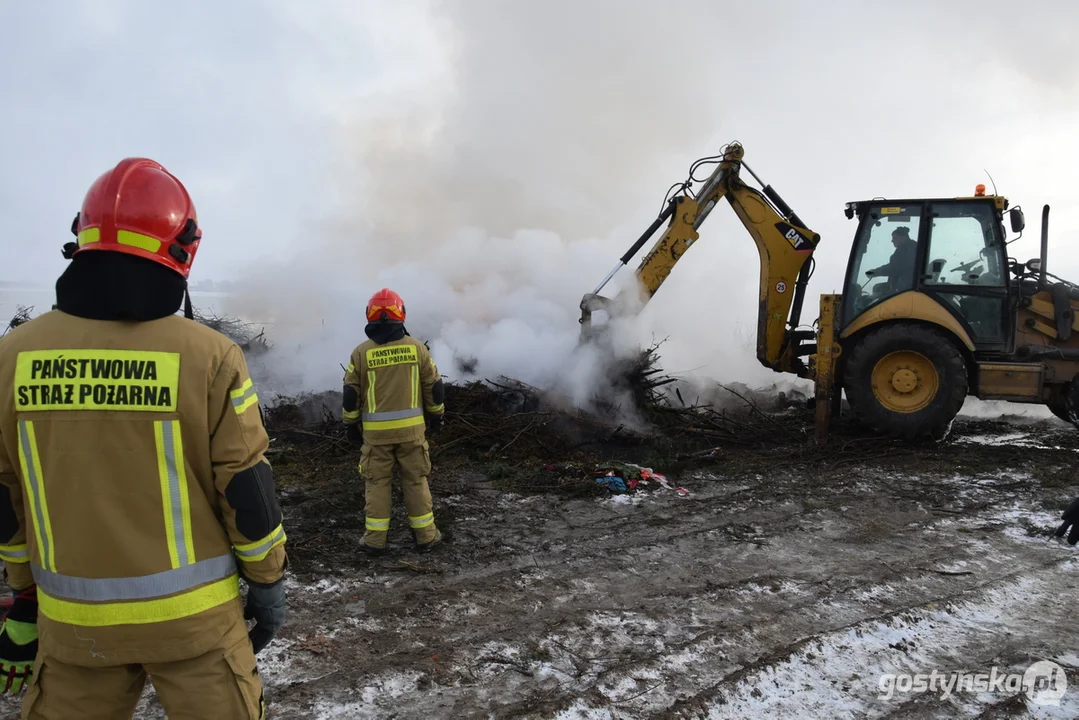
906 380
1061 411
1065 407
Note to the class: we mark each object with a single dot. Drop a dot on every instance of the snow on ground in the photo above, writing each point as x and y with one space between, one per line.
660 606
764 594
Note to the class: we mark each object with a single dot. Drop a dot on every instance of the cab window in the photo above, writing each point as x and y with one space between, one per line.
885 256
963 246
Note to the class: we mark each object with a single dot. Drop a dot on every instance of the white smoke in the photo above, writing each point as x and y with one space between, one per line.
499 178
493 198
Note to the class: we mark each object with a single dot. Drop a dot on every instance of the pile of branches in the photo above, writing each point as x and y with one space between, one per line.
501 417
251 340
528 439
23 315
506 418
731 414
635 383
742 422
490 421
308 411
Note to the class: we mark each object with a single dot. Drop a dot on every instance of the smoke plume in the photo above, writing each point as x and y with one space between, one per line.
496 195
497 183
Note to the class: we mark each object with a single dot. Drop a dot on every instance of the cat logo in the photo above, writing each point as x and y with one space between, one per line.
798 241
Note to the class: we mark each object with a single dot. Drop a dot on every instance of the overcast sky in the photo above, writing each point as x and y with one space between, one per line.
245 101
350 140
236 98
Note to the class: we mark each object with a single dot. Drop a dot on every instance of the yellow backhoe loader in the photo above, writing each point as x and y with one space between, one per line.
932 309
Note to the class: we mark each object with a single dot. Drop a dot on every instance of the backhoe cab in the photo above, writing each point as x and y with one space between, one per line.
932 310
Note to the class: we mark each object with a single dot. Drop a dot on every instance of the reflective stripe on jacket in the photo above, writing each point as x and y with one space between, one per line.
132 483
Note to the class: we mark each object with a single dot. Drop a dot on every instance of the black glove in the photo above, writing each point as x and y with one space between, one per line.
1071 517
354 433
18 642
266 605
435 423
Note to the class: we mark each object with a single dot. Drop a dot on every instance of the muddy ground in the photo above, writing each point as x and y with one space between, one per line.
784 584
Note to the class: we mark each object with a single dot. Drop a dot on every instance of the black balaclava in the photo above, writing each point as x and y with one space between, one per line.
101 285
384 331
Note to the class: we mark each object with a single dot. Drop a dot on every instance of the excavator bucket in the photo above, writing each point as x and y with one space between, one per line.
597 332
590 303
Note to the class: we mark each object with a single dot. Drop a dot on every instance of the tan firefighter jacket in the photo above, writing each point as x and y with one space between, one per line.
133 485
389 388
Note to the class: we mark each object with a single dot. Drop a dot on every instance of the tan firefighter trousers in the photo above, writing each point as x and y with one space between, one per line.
413 460
223 683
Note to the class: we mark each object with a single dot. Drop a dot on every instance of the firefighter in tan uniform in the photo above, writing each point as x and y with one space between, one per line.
134 492
392 390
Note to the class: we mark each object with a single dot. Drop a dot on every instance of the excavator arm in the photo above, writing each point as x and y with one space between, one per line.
783 242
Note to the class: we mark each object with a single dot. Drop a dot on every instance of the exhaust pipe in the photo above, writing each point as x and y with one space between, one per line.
1045 245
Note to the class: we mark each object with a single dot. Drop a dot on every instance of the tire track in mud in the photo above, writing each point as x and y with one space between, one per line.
753 596
600 611
778 594
755 647
741 693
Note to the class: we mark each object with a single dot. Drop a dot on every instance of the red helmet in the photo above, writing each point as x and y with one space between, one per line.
141 209
386 305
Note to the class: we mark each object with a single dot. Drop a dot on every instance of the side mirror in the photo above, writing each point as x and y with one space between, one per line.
1034 265
1015 215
